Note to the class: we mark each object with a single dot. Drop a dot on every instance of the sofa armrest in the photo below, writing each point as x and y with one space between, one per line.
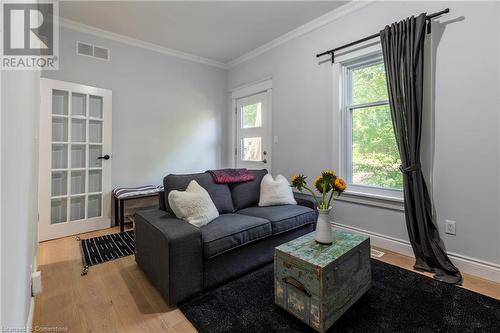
161 200
169 251
305 200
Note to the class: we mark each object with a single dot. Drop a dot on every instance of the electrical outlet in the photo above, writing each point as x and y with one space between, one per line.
450 227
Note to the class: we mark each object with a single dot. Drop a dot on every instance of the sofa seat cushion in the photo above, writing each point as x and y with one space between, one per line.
230 231
283 218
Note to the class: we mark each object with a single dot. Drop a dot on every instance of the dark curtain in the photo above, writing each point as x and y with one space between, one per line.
403 50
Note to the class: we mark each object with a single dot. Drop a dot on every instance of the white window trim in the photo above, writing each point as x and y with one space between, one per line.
366 195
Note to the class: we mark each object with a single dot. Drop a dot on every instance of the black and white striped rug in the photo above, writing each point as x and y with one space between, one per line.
100 249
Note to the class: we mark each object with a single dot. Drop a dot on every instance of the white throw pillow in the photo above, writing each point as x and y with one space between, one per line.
275 191
193 205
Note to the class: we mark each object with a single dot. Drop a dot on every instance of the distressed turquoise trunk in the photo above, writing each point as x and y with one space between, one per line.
318 283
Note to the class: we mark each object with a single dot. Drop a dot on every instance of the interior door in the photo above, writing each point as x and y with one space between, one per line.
74 190
253 132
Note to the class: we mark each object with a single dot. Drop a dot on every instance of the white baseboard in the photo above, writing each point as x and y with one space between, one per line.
31 313
468 265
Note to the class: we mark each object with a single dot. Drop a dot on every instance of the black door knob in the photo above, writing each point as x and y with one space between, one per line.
105 157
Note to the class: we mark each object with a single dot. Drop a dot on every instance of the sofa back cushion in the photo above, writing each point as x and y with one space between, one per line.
247 194
219 193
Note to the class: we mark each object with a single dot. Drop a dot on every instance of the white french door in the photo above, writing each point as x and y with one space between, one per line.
74 192
253 132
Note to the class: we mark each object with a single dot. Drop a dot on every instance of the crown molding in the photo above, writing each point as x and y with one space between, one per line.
317 23
138 43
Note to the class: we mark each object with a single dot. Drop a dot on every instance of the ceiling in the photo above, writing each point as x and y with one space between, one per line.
220 31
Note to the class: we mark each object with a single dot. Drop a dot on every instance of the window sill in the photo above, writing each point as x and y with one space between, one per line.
374 200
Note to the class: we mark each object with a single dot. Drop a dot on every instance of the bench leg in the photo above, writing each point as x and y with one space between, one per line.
122 216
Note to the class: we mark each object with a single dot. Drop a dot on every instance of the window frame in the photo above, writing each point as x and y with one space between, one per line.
343 72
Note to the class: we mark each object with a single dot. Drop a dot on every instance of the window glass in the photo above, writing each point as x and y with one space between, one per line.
375 156
252 115
369 84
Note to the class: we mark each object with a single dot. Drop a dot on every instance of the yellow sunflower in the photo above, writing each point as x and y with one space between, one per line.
340 184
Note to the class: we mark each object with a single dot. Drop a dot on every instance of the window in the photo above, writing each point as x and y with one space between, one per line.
370 155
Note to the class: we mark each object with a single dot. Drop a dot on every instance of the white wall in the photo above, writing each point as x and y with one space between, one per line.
467 152
19 179
167 112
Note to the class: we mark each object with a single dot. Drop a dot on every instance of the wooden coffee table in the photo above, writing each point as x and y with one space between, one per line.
318 283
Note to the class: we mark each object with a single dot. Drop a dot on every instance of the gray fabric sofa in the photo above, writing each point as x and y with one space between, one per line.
182 260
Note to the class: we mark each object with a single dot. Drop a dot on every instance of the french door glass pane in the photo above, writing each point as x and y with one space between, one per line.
59 184
59 129
95 181
94 152
251 115
59 156
95 131
95 106
77 182
94 205
60 102
78 130
77 156
77 208
251 149
78 104
375 156
58 210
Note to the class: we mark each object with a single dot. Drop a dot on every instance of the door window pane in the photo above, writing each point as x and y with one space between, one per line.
77 182
59 156
59 129
94 152
77 208
58 210
94 205
95 181
59 183
78 130
95 106
95 131
60 102
251 149
77 156
78 104
375 157
369 84
251 115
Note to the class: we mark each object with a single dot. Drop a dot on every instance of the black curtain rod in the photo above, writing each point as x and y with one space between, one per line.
430 16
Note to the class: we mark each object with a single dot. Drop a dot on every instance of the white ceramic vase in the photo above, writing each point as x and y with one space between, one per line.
324 227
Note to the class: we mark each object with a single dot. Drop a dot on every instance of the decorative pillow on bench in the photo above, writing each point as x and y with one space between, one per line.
275 191
193 205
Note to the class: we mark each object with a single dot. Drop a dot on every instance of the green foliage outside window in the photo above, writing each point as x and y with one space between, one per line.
375 157
252 116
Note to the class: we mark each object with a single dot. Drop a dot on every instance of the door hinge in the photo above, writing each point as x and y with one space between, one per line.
235 151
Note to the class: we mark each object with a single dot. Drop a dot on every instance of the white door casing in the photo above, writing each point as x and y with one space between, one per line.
74 194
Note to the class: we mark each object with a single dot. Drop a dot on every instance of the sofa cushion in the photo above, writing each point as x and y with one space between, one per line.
230 231
220 193
283 218
247 194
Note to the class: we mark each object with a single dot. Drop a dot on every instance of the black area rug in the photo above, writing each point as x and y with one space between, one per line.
100 249
398 301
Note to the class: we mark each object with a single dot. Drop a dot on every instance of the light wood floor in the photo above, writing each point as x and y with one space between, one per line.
117 297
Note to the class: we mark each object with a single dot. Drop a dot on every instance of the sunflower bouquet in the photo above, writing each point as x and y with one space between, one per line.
327 182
